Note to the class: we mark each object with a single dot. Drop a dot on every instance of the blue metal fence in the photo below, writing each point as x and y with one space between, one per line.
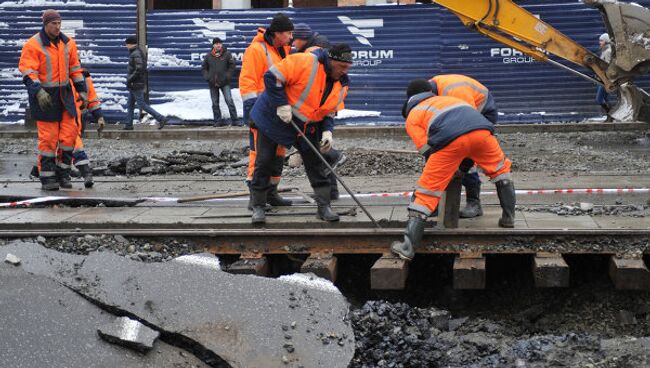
392 44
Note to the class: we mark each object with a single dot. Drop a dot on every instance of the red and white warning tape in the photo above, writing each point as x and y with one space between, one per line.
519 192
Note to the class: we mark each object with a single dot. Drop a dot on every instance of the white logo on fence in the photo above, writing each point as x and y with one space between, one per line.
214 28
362 29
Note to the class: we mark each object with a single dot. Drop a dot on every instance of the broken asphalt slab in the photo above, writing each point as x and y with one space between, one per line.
246 321
45 324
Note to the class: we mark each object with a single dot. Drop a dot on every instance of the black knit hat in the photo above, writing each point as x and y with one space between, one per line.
340 52
418 86
131 40
216 40
280 23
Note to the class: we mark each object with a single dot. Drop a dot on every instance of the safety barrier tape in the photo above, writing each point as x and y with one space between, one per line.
519 192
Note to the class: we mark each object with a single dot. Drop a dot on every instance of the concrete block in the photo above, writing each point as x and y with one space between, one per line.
129 333
550 270
321 265
469 272
12 259
250 266
629 274
389 273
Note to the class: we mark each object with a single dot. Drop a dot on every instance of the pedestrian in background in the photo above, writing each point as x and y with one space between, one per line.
218 67
606 56
135 83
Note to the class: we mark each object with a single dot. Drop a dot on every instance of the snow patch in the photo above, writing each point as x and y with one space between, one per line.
310 281
202 260
157 57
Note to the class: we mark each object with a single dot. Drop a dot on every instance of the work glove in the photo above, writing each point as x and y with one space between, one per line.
326 142
284 113
44 100
83 97
101 123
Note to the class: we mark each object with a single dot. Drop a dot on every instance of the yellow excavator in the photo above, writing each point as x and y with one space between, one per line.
627 24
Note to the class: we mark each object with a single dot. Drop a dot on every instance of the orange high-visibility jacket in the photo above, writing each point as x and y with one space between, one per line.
435 121
463 87
51 67
304 78
94 103
259 56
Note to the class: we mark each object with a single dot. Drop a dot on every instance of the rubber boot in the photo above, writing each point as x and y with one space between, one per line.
34 173
507 199
49 183
473 202
412 236
87 174
322 198
258 198
274 199
63 177
334 188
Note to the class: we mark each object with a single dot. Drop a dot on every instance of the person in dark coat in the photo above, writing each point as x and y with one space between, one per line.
135 83
305 39
218 67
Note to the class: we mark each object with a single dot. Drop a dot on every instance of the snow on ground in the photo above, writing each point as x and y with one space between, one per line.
157 57
310 281
196 105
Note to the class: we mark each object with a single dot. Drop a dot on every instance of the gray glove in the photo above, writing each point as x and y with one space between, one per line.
44 100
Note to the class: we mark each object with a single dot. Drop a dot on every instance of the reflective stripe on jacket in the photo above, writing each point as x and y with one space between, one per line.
467 89
51 67
435 121
300 81
257 59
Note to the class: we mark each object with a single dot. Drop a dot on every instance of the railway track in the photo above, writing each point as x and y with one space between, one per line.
270 252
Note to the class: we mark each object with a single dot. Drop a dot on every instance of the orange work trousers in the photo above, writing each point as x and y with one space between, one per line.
53 135
281 151
480 146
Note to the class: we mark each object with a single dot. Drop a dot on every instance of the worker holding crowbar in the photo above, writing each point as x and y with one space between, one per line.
297 108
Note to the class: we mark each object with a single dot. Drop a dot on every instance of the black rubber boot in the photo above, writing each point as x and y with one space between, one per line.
507 199
274 199
259 201
323 201
34 173
412 236
87 173
473 202
49 183
334 188
606 108
63 177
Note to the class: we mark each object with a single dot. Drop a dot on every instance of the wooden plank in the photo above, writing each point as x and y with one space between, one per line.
629 274
322 265
550 270
251 265
389 273
469 272
452 203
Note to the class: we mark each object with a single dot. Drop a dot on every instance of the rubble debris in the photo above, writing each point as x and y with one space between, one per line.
128 332
12 259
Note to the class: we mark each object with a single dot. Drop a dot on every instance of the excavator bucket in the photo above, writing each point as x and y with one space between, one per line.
628 25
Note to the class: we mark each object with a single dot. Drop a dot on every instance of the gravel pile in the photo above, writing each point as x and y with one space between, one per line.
137 249
397 335
589 209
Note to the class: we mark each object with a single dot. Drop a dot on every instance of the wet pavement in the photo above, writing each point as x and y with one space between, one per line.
223 319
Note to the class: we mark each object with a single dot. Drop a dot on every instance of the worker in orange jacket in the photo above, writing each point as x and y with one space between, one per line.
268 48
94 110
306 89
446 130
478 96
48 62
79 157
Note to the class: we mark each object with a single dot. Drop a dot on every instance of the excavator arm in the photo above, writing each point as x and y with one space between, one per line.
509 24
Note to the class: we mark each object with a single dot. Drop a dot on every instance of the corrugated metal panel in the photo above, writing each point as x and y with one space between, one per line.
99 28
394 44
